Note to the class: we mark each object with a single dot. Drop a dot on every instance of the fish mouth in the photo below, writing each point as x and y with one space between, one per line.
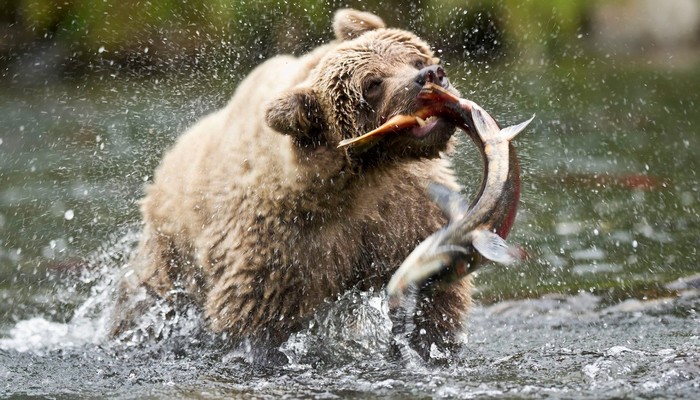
432 117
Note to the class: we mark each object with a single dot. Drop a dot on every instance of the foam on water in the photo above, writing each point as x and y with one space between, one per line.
41 335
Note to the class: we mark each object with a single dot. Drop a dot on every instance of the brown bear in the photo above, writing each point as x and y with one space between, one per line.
259 217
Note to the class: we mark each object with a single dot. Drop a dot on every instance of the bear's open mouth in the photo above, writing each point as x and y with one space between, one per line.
425 126
414 125
431 115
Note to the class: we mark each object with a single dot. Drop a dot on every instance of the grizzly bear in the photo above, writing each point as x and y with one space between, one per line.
259 217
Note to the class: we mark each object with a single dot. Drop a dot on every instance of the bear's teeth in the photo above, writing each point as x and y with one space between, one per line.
421 121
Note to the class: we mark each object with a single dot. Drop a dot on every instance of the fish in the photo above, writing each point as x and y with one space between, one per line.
474 231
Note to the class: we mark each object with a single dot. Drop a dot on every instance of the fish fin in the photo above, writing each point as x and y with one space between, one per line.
507 134
450 202
493 247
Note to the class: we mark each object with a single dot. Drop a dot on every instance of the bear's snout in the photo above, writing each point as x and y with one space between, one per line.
434 74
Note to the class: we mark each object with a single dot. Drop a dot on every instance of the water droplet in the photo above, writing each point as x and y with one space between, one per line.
68 215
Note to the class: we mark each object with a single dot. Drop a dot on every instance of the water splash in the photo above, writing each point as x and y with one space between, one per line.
355 326
90 321
557 346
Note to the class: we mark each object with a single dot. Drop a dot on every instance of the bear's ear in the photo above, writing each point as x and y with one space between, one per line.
296 113
349 23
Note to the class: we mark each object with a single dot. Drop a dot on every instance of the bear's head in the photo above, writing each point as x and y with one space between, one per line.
373 74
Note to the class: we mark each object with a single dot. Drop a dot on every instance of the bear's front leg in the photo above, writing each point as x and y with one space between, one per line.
260 305
433 319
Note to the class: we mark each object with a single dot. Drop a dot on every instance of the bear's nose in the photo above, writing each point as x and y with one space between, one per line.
434 74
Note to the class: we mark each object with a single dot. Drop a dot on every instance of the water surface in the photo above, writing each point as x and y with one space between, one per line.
609 216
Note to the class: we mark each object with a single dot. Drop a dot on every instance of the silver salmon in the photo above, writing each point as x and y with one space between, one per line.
474 231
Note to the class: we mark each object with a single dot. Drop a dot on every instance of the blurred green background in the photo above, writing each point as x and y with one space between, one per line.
93 92
49 37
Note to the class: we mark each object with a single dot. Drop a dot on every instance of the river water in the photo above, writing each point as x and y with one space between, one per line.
606 305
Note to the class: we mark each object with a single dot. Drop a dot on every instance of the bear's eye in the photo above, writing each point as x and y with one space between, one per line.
419 64
373 88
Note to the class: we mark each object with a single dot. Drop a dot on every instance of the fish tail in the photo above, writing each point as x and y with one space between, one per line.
488 129
507 134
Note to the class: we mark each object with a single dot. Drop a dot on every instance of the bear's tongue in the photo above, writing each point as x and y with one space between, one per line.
424 126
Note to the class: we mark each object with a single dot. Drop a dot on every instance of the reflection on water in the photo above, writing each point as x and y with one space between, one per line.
609 216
